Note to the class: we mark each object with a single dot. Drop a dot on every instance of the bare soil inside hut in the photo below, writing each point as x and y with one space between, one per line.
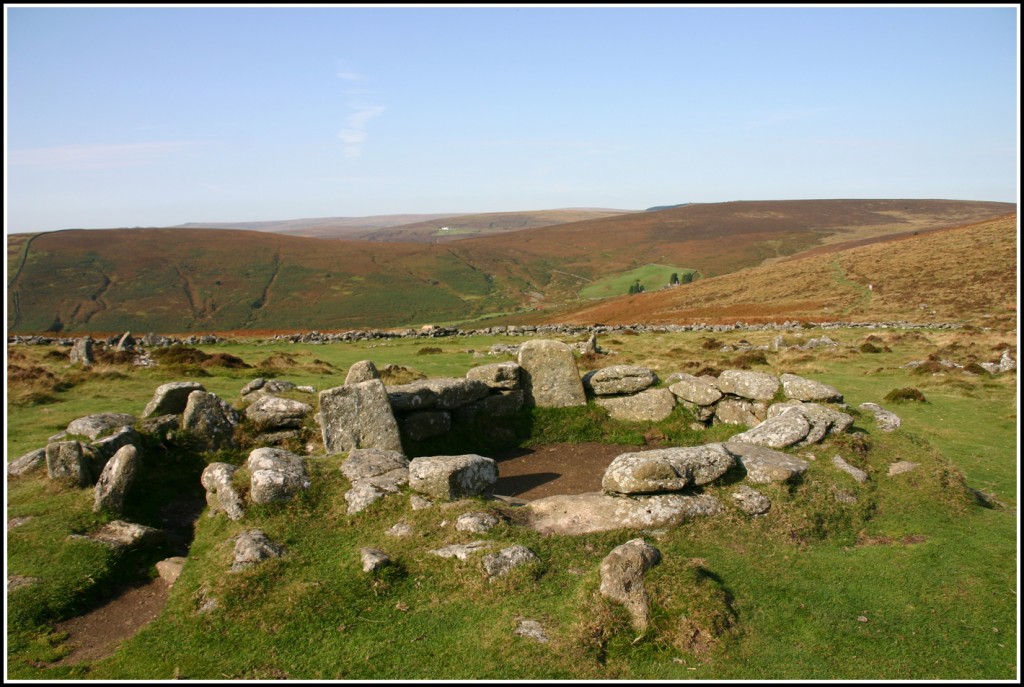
553 469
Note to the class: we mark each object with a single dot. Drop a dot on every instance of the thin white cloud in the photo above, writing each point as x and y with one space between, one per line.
354 134
349 76
96 156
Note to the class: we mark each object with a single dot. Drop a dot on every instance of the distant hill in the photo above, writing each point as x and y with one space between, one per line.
416 228
178 280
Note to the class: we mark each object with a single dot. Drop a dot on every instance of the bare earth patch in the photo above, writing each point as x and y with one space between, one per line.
553 469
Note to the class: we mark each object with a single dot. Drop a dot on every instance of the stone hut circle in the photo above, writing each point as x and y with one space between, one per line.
371 424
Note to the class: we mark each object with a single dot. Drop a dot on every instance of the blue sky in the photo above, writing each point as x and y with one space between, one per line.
156 116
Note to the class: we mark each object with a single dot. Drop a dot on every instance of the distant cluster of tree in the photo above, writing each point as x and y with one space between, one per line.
675 279
636 287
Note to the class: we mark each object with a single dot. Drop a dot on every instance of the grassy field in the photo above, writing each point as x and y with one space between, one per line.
651 277
915 581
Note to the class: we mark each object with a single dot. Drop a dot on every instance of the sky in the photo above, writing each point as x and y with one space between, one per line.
164 115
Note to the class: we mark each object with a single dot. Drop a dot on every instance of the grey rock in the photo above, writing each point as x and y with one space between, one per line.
119 534
695 390
373 559
211 421
751 501
844 497
732 411
756 386
82 353
887 420
764 465
477 523
666 469
417 502
854 472
505 561
447 478
358 416
171 398
822 420
252 386
100 424
549 375
400 530
618 379
652 405
596 512
161 425
364 463
531 629
275 475
116 479
801 389
362 371
273 413
104 449
253 547
442 393
169 569
32 460
67 462
901 466
221 495
622 579
461 551
502 376
783 430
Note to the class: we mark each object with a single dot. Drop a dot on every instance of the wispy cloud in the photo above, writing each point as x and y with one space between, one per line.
353 135
97 156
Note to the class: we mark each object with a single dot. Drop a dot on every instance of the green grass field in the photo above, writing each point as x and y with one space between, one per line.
652 277
915 581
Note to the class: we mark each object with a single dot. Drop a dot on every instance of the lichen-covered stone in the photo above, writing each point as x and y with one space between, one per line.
447 478
171 398
619 379
549 375
358 416
666 469
764 465
652 405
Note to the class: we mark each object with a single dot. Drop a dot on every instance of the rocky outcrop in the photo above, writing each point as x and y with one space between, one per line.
618 379
764 465
116 479
275 475
100 424
750 501
596 512
67 462
362 371
82 352
253 547
211 421
651 405
271 413
756 386
444 393
887 420
501 376
221 494
800 389
499 564
32 460
373 473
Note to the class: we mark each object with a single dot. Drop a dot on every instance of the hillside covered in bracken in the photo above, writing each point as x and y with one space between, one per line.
182 279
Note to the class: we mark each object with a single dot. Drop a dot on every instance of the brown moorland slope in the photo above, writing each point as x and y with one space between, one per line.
962 274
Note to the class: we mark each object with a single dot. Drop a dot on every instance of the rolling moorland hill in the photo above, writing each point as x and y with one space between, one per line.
416 228
961 274
180 280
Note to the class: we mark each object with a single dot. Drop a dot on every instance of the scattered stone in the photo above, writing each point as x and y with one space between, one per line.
82 353
801 389
652 405
358 416
221 495
780 431
844 497
477 523
735 411
447 478
821 420
505 561
171 398
618 379
275 475
67 462
170 569
100 424
116 479
461 551
119 534
667 469
764 465
18 522
418 502
596 512
751 501
695 390
273 413
549 374
362 371
531 629
887 420
374 473
901 466
253 547
622 579
400 529
502 376
254 385
756 386
211 420
373 559
856 473
32 460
